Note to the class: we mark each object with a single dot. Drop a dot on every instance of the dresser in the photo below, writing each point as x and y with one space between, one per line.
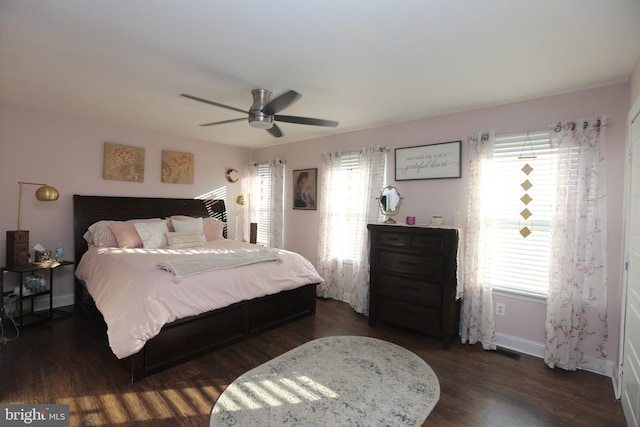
413 279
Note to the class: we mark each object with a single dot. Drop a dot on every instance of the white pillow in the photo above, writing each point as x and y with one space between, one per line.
187 225
152 234
185 239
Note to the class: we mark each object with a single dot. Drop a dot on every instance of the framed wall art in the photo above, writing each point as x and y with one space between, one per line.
177 167
305 187
428 161
123 163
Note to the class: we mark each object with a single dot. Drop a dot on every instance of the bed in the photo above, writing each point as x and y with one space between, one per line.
186 337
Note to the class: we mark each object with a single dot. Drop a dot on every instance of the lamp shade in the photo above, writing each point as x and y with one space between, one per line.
47 193
44 193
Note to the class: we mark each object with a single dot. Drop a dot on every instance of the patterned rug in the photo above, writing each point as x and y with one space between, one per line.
333 381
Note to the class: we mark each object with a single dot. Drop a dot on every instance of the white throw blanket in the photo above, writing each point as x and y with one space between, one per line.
198 264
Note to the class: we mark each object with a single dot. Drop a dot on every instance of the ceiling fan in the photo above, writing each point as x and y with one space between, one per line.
263 112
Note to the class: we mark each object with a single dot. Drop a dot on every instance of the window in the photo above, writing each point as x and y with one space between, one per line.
264 207
351 213
521 264
344 186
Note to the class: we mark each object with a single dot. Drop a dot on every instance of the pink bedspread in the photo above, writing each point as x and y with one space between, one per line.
136 298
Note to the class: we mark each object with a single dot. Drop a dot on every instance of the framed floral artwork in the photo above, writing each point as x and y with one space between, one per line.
177 167
305 189
123 163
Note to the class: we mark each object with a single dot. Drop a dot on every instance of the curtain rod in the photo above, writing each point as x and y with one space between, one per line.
608 122
381 149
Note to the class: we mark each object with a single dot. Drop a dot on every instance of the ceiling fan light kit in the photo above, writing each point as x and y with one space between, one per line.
263 111
257 118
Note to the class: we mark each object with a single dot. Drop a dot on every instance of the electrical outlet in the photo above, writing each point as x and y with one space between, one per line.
501 309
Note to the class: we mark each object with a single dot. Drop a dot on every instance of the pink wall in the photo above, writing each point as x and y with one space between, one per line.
67 153
425 198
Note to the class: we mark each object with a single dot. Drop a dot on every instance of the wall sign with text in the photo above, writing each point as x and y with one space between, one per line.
428 161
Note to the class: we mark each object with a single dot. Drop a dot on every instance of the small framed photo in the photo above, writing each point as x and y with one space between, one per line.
305 187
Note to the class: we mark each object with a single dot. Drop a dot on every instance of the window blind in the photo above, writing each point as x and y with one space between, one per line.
348 182
263 212
521 264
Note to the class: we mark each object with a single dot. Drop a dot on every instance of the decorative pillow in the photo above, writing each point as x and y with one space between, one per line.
185 239
176 218
126 234
153 234
99 235
213 229
192 224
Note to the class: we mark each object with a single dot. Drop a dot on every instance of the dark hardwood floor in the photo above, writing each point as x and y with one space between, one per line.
69 362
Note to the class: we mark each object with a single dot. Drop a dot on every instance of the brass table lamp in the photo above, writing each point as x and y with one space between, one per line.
18 240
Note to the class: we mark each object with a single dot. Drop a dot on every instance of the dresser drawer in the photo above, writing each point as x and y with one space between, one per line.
424 268
389 238
419 292
427 243
410 316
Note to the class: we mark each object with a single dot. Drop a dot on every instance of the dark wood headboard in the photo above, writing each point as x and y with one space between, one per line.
90 209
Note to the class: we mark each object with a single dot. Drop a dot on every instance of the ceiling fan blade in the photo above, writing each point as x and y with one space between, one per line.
217 104
306 121
281 102
275 131
224 121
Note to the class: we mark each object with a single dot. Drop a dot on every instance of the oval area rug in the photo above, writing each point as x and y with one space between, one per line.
332 381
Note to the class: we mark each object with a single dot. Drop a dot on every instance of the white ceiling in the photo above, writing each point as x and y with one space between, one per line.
364 63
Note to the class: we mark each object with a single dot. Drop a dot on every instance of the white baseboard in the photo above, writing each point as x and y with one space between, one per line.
521 345
536 349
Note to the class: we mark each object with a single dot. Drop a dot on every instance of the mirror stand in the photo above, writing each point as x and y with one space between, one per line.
389 202
389 219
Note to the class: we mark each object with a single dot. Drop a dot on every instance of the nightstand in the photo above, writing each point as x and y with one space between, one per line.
22 295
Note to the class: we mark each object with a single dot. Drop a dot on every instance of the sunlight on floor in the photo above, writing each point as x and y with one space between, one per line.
125 408
255 395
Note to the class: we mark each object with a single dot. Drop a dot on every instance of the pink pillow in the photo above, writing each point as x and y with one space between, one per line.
126 233
213 229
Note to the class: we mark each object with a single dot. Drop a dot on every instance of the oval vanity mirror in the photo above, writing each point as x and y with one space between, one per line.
390 201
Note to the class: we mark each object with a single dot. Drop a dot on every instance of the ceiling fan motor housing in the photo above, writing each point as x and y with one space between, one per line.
257 118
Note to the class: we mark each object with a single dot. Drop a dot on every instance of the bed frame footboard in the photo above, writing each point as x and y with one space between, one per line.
191 337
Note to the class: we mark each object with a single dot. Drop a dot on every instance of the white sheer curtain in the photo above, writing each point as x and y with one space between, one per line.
264 201
576 324
476 321
347 204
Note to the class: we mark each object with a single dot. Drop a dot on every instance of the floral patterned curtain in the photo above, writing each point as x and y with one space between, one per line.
576 324
348 280
476 320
